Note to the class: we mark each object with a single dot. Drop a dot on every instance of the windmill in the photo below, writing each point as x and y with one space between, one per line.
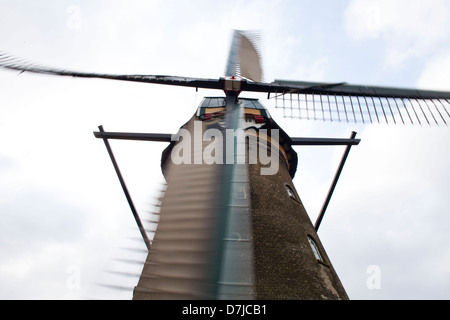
250 237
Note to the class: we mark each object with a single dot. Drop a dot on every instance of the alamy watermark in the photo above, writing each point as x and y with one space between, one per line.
215 146
73 281
373 282
73 21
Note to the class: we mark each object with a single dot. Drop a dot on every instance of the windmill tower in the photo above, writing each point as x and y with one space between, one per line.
228 231
230 227
233 229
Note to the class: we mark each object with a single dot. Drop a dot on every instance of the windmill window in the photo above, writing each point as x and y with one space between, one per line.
315 249
291 192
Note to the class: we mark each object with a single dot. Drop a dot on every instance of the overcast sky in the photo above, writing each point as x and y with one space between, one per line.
65 223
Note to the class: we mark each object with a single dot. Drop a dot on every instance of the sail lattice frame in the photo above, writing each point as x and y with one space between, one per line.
364 109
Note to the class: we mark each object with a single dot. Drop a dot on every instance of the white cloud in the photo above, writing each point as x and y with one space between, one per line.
408 28
316 71
363 20
436 73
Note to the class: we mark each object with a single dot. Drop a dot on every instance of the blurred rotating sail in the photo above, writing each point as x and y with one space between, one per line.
244 59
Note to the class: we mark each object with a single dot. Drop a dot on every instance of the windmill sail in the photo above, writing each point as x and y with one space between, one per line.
244 58
363 104
305 100
298 99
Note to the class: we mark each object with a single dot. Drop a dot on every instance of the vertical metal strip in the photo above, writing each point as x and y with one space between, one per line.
368 111
329 107
382 108
406 108
306 103
231 251
421 109
299 106
345 109
398 109
446 100
337 109
429 109
314 107
375 108
444 109
292 109
321 105
353 109
225 191
437 109
392 114
360 109
417 116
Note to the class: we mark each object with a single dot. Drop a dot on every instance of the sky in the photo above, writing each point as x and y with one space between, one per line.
66 231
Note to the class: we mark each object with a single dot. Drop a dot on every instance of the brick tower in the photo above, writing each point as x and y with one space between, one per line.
232 225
